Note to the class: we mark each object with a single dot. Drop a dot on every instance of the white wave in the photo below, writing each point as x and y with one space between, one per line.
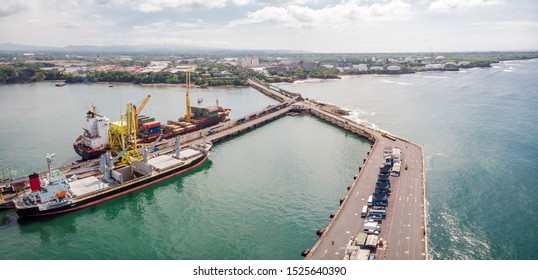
360 116
393 82
508 70
463 238
434 77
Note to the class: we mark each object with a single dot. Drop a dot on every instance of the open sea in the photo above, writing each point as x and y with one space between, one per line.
262 195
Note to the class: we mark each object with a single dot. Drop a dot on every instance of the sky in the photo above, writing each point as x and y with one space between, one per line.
308 25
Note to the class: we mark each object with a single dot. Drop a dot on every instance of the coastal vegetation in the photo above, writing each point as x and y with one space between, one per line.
217 70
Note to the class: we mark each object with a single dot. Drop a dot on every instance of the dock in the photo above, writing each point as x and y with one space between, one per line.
403 230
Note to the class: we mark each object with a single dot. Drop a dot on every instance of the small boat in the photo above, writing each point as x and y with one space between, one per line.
60 84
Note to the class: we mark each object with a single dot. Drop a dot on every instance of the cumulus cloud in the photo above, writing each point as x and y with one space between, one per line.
149 6
272 2
348 12
450 5
110 3
507 24
10 7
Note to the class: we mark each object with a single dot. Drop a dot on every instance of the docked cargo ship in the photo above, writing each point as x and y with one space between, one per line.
61 193
201 117
95 139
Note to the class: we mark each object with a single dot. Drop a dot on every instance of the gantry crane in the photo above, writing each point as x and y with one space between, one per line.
123 133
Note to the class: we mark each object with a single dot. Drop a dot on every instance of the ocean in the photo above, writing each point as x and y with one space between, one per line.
479 133
263 194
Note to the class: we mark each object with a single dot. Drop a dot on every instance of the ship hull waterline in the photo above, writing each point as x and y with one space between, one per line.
94 200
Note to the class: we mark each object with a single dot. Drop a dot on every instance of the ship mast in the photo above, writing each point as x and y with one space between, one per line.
188 101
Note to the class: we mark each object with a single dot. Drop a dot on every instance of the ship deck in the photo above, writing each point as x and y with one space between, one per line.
164 162
86 186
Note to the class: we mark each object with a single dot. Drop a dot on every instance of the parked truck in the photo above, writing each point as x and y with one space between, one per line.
371 226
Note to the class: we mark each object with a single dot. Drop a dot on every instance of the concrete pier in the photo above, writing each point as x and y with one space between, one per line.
404 229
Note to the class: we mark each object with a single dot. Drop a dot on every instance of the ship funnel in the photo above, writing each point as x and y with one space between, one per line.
35 185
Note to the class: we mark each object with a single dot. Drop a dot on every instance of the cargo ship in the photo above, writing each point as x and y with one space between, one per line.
95 139
60 193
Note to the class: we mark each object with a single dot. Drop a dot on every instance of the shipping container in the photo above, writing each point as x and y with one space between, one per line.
148 120
151 124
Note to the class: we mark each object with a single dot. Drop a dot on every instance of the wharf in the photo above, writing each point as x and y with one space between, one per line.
404 229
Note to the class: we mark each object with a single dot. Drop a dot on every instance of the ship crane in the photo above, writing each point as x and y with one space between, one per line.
138 110
188 95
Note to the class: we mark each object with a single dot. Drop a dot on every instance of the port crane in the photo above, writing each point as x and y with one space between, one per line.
123 133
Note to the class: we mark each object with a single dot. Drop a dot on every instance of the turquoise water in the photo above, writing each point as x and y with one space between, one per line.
479 132
40 118
264 194
261 195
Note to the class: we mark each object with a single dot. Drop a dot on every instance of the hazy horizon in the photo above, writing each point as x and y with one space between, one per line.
319 26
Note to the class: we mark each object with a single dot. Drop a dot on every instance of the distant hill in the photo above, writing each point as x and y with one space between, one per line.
132 49
16 47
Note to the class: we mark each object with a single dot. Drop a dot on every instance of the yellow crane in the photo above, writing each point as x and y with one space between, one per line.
138 110
123 133
188 97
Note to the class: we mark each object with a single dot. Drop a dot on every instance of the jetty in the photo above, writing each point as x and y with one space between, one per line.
401 231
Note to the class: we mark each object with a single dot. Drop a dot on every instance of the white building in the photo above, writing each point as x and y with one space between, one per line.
360 67
434 66
464 63
376 68
394 68
249 61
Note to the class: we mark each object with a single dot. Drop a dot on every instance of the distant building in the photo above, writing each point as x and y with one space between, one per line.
328 64
248 61
435 66
464 63
394 68
377 68
409 59
360 67
156 66
184 68
309 64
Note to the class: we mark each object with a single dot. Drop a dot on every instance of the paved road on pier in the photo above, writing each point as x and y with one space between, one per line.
403 229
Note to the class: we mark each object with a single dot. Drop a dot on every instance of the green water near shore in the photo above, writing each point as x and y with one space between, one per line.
262 195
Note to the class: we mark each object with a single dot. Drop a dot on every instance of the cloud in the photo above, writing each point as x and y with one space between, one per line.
451 5
149 6
507 24
11 7
110 3
272 2
345 13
